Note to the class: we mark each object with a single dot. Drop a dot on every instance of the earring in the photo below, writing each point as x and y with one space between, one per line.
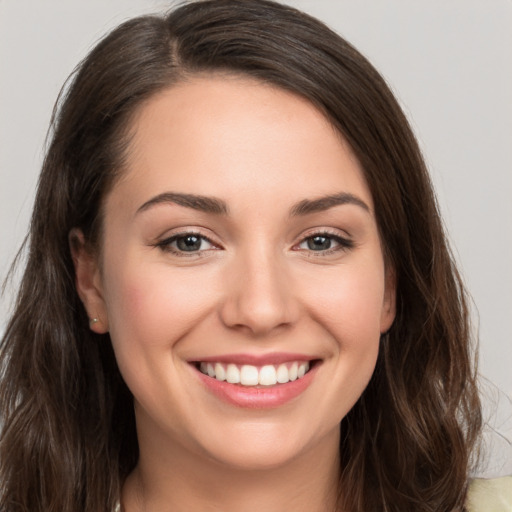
97 325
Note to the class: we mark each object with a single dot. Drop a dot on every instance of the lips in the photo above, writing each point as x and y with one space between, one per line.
256 381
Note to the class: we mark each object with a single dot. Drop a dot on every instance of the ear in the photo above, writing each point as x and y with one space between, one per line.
389 302
88 281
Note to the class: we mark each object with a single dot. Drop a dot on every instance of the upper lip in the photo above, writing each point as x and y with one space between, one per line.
255 359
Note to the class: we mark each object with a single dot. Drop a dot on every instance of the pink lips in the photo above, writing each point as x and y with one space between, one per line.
258 360
257 397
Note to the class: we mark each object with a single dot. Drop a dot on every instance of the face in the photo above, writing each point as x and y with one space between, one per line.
240 244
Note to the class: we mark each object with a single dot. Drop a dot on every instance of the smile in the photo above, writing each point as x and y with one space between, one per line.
257 382
250 375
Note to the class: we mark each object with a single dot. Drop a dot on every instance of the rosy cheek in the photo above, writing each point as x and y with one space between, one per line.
350 306
134 296
154 305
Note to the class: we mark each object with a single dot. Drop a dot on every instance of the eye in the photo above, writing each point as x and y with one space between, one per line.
325 243
183 243
317 243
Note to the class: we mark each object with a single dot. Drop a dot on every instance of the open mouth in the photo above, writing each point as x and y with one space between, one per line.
252 382
256 376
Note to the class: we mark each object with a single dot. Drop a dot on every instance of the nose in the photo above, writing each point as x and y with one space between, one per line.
259 295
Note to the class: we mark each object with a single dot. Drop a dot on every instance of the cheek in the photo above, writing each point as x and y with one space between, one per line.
346 302
151 305
349 302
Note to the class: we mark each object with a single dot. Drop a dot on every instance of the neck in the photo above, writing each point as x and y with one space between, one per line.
183 481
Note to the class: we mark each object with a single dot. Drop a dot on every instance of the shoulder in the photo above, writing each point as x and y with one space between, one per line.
490 495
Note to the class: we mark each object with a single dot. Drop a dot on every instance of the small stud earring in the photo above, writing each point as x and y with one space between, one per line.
93 321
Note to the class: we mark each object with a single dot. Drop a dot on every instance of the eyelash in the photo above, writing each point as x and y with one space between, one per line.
165 245
344 244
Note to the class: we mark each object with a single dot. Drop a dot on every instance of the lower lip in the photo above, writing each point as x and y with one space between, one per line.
260 397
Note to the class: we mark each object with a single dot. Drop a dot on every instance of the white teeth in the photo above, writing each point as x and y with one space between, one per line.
293 371
249 375
303 368
232 374
220 373
282 374
267 375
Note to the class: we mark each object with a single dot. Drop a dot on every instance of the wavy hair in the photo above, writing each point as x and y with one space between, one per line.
68 436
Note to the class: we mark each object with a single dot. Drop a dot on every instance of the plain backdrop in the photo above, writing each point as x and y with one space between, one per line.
450 65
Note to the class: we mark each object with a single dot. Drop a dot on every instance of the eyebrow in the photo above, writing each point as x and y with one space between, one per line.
323 203
201 203
219 207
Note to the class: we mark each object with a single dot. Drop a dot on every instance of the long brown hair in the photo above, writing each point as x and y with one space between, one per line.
68 435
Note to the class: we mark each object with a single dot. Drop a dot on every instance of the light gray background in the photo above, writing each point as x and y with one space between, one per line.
449 63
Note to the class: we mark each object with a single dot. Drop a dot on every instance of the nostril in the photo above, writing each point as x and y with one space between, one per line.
258 301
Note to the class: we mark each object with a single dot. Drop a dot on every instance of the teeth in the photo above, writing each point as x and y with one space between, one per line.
293 371
232 374
303 368
249 375
283 375
267 376
220 373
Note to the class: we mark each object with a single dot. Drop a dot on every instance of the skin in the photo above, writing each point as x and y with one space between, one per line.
256 288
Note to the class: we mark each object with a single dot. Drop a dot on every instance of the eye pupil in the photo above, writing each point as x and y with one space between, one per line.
189 243
319 243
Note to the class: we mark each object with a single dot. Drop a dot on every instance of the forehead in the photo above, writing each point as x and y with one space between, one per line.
233 136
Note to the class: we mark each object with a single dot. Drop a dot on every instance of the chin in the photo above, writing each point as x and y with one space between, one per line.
254 459
262 447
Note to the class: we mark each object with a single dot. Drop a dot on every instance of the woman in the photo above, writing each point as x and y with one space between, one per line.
238 292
